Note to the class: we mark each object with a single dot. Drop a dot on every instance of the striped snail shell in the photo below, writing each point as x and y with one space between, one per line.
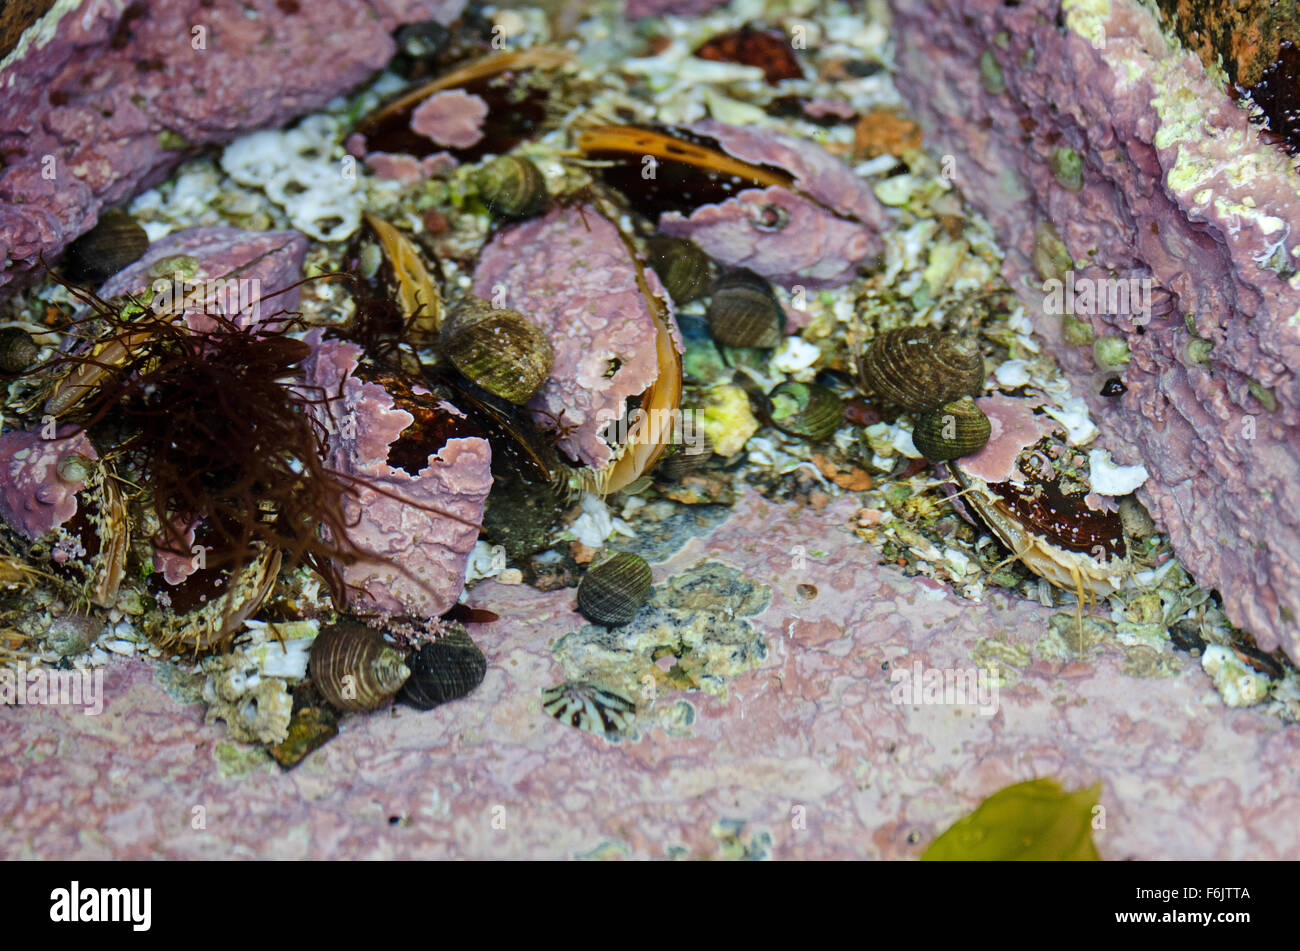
512 187
18 351
744 312
443 670
116 241
613 590
918 369
809 410
354 668
682 266
952 431
498 348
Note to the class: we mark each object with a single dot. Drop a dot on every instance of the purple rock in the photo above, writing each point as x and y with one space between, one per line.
100 103
571 274
396 514
1144 167
245 275
34 499
780 234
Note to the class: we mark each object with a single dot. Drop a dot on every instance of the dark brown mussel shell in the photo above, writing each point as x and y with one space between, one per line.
744 312
809 410
444 670
18 351
613 590
952 431
497 348
354 668
116 241
682 266
512 187
918 369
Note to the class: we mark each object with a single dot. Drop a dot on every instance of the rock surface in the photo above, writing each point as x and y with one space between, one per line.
804 756
98 102
1175 185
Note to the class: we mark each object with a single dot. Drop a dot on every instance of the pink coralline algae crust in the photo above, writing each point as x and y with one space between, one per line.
174 567
269 261
396 514
409 169
1013 427
87 121
635 9
1194 199
814 725
33 499
814 246
451 118
570 273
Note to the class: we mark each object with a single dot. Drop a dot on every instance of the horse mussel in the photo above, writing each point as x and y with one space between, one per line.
952 431
116 241
614 589
512 187
744 312
918 369
808 410
354 668
682 266
498 348
442 670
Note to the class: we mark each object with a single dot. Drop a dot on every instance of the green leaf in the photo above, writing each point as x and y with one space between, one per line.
1031 821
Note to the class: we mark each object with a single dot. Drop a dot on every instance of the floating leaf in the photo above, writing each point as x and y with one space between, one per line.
1035 820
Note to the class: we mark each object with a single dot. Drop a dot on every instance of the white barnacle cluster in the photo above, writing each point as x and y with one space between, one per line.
249 688
305 172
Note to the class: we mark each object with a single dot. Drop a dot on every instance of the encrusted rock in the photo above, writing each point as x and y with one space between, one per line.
1178 186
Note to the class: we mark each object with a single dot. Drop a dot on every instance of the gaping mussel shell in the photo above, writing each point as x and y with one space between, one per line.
682 266
18 351
744 312
952 431
444 670
498 348
512 187
613 590
809 410
116 241
390 267
918 369
353 668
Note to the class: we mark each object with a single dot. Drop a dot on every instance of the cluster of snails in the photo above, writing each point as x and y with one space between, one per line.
744 312
935 375
355 669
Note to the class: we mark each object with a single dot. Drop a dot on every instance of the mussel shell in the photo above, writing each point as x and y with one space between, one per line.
444 670
18 351
613 590
349 649
116 241
952 431
512 187
809 410
498 348
682 266
918 369
744 312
